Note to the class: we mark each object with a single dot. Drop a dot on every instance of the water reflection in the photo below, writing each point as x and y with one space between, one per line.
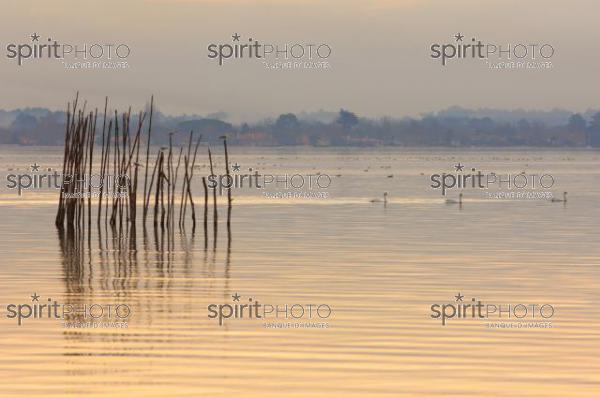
103 265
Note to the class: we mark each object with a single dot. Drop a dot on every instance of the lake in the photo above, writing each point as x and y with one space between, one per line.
374 270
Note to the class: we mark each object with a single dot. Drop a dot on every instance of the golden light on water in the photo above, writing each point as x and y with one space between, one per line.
380 268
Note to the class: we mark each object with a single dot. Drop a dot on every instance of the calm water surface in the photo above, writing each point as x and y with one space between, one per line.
380 268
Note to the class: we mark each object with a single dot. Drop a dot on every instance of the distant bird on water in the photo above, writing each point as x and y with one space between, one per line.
452 201
557 200
378 200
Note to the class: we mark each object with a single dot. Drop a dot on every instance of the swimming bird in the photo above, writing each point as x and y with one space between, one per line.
557 200
452 201
378 200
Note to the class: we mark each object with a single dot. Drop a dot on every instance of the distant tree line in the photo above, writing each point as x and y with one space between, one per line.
451 129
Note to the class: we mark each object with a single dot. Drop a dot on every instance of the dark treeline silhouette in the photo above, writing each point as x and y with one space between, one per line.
453 127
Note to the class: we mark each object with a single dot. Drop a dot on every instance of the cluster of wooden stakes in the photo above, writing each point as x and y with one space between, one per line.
120 163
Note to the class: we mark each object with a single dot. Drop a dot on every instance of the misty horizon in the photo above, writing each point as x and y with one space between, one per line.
554 116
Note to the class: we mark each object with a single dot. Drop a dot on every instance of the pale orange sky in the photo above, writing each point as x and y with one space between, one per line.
380 63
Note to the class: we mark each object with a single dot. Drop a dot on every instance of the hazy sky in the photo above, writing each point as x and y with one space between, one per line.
380 63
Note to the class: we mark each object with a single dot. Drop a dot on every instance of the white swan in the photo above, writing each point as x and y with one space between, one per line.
452 201
377 200
557 200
